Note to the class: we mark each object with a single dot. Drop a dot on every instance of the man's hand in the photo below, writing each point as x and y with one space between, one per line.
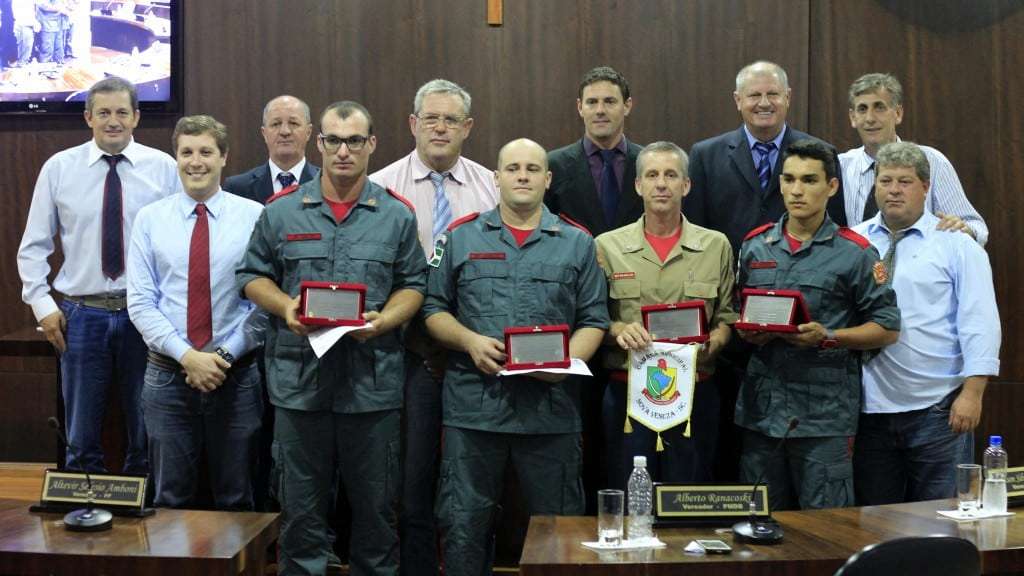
756 337
291 317
965 413
953 223
547 377
54 325
633 336
435 362
708 351
377 326
809 335
204 371
487 353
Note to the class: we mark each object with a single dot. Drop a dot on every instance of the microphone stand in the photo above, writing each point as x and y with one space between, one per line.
753 530
90 518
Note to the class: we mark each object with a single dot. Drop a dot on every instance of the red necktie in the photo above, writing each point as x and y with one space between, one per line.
200 323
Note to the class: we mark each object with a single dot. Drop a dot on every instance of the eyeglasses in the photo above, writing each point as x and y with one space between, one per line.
331 143
432 120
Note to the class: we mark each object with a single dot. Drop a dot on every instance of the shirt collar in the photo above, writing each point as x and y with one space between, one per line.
420 170
131 152
295 171
922 226
214 204
826 231
590 148
688 238
548 221
777 140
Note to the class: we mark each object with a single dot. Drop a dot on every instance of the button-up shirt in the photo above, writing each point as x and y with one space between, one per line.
773 156
488 283
470 189
950 321
295 171
68 199
945 193
596 163
158 266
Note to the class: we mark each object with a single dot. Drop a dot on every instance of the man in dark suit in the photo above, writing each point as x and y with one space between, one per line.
735 183
286 130
592 178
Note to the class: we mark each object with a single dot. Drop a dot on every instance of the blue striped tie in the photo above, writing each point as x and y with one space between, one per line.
442 209
764 163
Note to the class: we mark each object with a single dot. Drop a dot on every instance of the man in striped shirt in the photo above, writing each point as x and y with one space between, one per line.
876 109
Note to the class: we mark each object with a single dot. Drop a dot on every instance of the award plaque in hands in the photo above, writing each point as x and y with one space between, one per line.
331 304
772 310
679 323
537 347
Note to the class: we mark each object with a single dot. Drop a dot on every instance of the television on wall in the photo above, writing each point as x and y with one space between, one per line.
68 45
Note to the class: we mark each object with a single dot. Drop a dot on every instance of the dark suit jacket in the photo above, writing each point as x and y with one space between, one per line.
256 184
725 194
573 192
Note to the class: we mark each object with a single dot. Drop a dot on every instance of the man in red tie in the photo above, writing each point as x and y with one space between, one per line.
89 195
202 387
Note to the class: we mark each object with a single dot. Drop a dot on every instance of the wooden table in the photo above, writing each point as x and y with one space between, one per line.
171 542
816 542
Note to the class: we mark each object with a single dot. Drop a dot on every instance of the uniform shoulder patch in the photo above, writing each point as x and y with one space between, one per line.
284 192
759 230
402 199
852 236
459 222
572 222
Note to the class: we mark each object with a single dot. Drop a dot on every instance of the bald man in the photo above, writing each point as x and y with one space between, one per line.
515 265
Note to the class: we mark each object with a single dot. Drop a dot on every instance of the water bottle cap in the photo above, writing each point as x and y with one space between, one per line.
640 461
995 440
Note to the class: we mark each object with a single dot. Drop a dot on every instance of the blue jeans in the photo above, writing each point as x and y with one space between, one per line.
420 463
907 456
25 38
183 423
102 348
51 47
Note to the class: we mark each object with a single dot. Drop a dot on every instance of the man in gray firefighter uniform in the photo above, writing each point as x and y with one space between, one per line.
515 265
342 410
814 374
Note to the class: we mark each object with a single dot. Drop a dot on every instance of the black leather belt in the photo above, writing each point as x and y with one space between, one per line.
168 363
111 301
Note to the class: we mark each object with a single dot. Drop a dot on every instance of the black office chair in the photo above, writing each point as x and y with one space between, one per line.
924 556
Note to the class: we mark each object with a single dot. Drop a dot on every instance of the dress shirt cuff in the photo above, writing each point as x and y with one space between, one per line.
43 307
177 347
980 367
237 344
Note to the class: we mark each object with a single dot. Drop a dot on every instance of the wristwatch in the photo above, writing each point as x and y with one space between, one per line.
224 354
830 340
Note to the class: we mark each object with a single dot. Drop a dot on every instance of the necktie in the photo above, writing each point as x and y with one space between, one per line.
112 253
870 204
442 209
200 323
764 163
286 179
889 262
609 187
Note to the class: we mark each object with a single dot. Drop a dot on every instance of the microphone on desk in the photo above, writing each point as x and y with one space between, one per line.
754 531
90 518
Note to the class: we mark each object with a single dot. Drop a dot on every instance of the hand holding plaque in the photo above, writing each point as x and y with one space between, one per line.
679 323
537 347
332 303
772 310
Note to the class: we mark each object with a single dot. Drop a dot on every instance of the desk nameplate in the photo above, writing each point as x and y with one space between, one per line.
704 502
125 492
1015 485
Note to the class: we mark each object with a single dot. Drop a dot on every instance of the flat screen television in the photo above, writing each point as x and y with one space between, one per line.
53 51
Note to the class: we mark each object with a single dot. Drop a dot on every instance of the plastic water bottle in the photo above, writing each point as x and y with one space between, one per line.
641 497
994 494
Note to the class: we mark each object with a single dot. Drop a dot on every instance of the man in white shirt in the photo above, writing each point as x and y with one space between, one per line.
876 109
286 130
443 186
90 195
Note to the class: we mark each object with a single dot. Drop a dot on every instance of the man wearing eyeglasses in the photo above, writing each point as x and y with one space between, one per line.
286 129
443 186
341 411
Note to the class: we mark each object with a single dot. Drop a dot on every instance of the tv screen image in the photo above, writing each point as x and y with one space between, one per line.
54 50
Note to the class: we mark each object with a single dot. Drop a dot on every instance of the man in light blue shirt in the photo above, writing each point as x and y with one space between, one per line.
202 386
922 393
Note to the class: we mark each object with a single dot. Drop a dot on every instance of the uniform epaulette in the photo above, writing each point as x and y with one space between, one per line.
574 223
758 230
402 199
852 236
467 218
284 192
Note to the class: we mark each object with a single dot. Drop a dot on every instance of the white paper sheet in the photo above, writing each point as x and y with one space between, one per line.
325 338
577 366
624 545
978 514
